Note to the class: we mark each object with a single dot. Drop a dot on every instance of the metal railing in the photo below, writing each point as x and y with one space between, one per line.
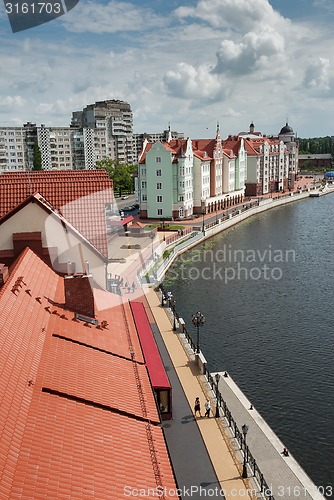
250 460
253 467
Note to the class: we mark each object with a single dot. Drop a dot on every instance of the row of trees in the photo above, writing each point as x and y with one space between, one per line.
121 174
316 145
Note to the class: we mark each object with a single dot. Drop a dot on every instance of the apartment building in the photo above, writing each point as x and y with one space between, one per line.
272 161
109 130
17 147
165 180
180 178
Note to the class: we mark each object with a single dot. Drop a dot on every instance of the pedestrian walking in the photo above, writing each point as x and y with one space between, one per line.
207 408
197 407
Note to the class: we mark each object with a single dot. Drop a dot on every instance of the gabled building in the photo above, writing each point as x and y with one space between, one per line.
166 179
78 418
34 223
196 176
80 196
272 161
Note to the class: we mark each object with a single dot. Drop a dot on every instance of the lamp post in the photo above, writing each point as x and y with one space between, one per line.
203 213
198 320
163 228
152 238
173 304
244 429
217 377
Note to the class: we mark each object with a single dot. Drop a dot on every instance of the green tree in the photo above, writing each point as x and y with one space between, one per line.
121 174
37 157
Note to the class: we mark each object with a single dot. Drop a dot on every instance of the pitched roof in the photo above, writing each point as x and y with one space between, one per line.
77 411
41 201
80 196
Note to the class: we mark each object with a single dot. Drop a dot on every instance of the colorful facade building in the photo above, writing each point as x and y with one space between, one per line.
180 178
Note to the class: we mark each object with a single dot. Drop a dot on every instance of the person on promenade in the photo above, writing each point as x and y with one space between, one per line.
207 408
197 407
285 452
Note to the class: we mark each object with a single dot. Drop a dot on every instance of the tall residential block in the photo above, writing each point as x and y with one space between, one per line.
108 131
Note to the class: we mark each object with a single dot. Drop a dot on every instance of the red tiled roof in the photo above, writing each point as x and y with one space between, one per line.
75 398
98 377
77 451
79 195
22 333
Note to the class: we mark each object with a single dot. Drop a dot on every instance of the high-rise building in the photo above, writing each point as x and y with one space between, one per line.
111 123
17 147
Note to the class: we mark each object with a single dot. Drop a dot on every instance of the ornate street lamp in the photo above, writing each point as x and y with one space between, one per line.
198 320
244 429
203 213
217 377
173 304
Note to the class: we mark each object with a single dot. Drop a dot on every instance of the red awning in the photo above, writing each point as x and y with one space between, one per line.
127 219
155 367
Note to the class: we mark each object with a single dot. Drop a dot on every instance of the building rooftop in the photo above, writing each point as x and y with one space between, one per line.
78 417
80 196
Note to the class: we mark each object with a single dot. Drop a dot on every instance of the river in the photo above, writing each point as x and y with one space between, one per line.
265 287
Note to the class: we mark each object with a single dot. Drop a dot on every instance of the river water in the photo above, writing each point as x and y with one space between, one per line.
265 287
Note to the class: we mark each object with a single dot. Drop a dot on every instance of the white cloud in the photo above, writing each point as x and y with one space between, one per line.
255 50
317 75
189 82
11 101
112 17
240 15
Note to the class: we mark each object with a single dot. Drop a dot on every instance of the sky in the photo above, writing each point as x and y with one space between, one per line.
187 63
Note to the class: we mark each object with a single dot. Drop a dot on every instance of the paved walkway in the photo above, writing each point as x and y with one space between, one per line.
200 456
205 456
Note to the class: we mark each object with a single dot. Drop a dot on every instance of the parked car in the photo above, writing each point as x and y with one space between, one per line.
125 197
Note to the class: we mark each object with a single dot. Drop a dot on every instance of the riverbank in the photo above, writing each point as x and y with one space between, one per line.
221 224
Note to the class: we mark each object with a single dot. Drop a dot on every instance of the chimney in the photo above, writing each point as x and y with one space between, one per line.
79 296
3 274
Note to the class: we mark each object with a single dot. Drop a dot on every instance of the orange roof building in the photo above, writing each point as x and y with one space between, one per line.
80 196
78 418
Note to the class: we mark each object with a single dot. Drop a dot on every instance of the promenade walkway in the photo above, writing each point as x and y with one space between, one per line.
205 456
202 461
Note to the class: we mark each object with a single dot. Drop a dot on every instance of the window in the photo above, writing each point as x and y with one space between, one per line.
143 171
143 184
144 197
159 199
158 159
159 185
159 211
159 173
